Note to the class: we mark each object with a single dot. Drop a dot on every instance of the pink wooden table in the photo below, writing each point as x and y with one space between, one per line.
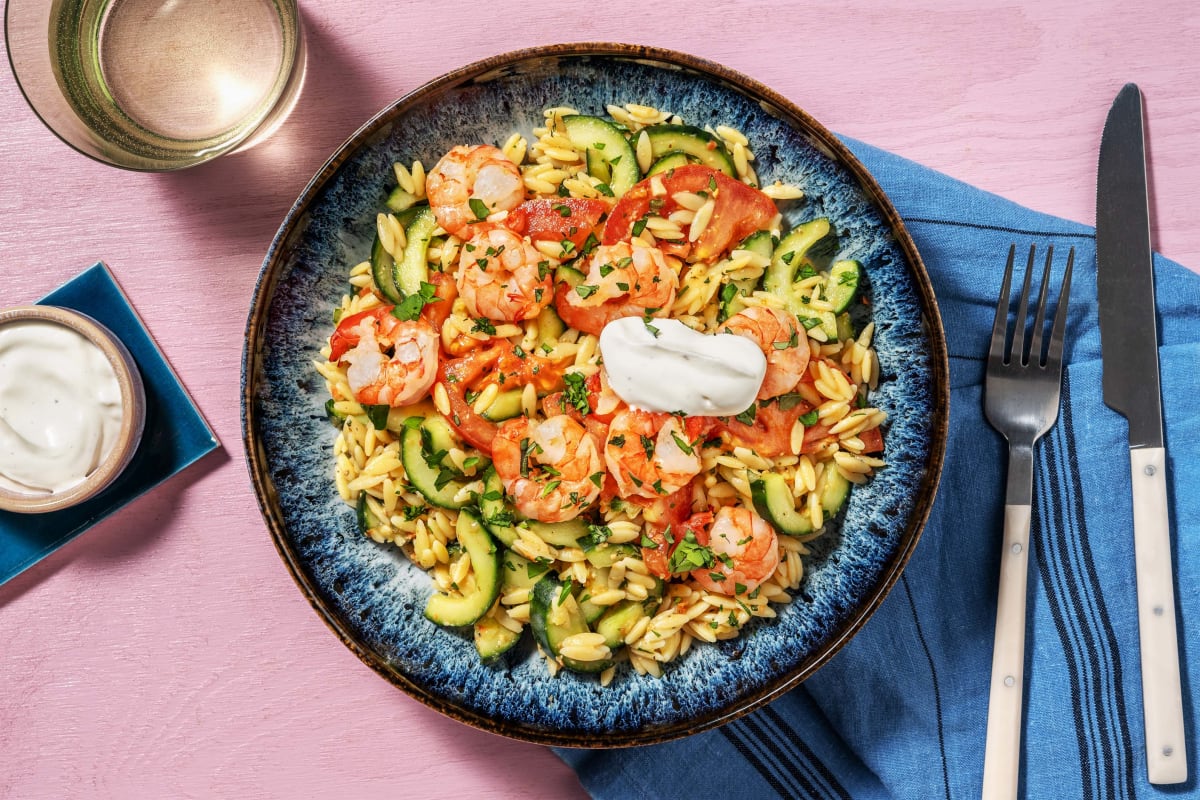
167 653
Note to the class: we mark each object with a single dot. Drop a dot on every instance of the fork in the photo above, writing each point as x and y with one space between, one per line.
1021 398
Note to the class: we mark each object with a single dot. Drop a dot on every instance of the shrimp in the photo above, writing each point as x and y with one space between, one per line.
623 280
746 550
375 377
649 454
502 276
472 172
784 342
551 469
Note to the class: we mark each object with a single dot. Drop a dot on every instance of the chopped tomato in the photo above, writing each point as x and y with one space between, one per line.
567 218
671 514
667 535
436 313
740 209
517 367
456 375
872 440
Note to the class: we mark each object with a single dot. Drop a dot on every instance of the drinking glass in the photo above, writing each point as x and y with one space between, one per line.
157 85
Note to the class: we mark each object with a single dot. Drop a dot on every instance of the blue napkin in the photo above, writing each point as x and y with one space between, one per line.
901 711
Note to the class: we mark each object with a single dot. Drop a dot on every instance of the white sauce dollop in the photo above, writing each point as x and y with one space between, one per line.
663 365
60 407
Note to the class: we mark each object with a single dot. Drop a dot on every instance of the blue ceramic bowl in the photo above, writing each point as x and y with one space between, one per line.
372 597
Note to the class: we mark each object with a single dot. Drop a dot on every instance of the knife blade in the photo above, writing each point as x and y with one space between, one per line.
1129 347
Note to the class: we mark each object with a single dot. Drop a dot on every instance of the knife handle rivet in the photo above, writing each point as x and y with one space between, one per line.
1158 611
1009 680
1149 470
1168 751
1016 548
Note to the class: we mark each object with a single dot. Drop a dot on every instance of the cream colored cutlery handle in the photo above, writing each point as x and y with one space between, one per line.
1002 754
1162 700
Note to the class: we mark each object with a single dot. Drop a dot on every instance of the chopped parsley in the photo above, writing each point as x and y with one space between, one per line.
478 208
682 444
809 419
410 307
596 536
690 555
484 325
748 416
648 446
586 290
576 392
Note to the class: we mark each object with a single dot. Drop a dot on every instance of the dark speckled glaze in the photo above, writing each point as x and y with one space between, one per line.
372 597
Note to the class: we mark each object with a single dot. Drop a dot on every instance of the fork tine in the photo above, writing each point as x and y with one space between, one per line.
1039 319
1018 345
1054 354
1000 325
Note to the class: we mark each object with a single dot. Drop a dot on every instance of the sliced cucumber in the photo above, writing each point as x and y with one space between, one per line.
568 275
845 328
495 511
554 614
842 286
695 142
833 489
383 268
794 251
506 406
605 140
774 502
597 166
591 611
493 639
760 243
550 327
669 161
411 270
792 259
417 444
439 433
607 554
368 520
559 534
520 572
466 609
335 416
399 200
616 622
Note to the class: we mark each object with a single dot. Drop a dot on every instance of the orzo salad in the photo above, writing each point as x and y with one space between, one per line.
590 384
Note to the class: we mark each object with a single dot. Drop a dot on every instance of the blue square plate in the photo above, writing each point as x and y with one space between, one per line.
176 435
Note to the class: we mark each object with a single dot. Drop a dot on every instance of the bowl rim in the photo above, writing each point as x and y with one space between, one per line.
256 461
133 411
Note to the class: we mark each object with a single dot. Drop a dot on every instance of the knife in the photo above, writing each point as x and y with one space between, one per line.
1129 345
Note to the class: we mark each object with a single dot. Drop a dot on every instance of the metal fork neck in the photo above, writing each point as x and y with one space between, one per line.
1020 474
